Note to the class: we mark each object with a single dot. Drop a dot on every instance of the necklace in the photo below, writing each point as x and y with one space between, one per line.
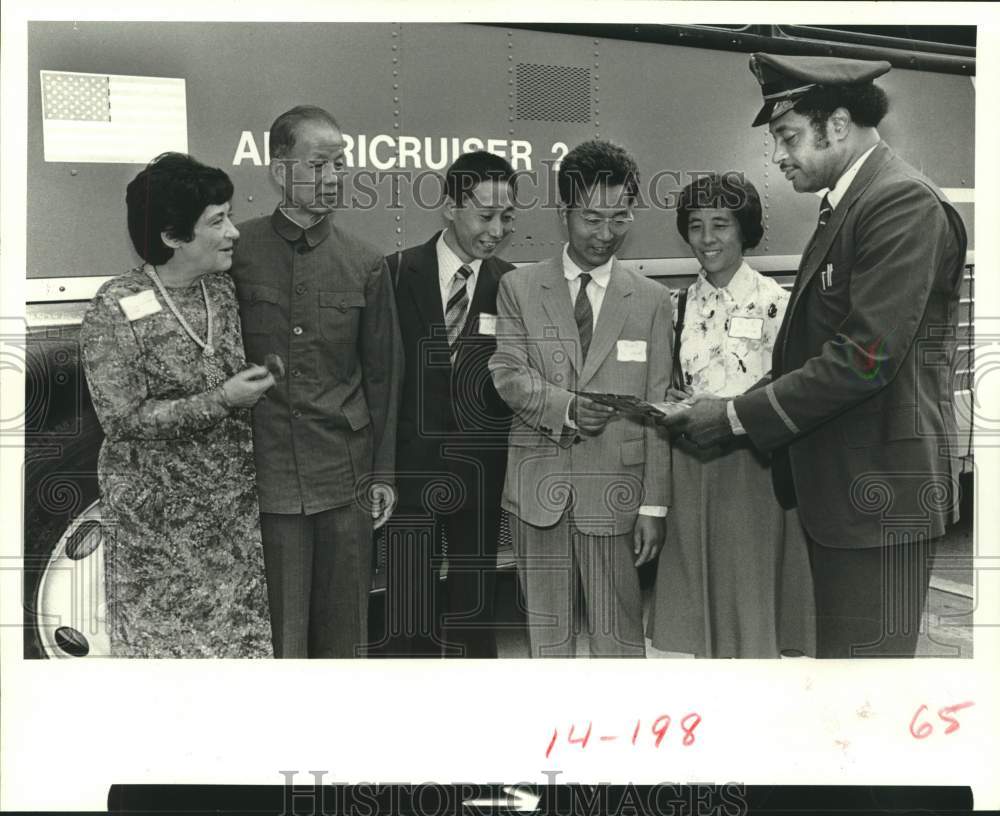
207 349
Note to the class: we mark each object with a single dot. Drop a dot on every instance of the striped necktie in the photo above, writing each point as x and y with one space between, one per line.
825 211
458 306
584 315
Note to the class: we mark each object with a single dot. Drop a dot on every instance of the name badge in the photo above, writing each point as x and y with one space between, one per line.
141 304
632 351
749 328
488 324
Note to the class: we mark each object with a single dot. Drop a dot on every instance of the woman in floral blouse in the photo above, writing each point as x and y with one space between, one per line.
163 355
733 578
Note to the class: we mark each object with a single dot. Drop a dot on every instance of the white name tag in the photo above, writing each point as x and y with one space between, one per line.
750 328
488 324
141 304
632 351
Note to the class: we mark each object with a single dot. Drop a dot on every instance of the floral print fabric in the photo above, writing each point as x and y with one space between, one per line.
722 356
184 569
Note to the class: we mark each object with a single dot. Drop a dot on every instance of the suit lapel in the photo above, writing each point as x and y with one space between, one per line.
614 310
555 301
423 283
819 244
484 299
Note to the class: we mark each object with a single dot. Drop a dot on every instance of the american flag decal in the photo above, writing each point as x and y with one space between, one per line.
111 118
77 96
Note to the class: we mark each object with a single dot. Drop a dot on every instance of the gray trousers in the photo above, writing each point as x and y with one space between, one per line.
318 576
554 564
870 601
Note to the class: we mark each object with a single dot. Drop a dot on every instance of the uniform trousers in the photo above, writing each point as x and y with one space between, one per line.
554 564
318 575
870 601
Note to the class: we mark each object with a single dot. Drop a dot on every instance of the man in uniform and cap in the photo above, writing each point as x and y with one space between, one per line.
858 411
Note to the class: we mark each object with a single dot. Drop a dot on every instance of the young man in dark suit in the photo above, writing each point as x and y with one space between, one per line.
451 448
859 411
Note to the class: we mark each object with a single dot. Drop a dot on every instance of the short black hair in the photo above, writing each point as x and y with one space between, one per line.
284 129
596 162
866 102
471 169
169 195
726 191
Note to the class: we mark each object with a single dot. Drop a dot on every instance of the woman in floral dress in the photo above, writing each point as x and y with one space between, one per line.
733 577
164 360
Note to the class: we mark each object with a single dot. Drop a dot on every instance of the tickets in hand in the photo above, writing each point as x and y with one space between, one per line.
627 404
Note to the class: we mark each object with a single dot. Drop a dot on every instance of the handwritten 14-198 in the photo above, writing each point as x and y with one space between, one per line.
652 735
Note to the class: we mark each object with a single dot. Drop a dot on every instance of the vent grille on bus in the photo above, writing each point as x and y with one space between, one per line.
553 93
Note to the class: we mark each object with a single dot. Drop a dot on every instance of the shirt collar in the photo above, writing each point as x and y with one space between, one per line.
739 289
292 232
449 263
837 193
599 274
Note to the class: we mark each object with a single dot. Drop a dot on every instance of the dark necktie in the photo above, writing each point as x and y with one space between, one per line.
825 211
584 315
458 306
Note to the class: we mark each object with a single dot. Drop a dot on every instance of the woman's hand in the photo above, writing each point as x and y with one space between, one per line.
687 397
244 389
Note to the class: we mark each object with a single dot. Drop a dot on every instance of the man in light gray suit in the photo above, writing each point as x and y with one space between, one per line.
586 486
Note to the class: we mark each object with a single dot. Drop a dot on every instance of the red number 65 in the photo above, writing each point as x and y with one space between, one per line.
923 729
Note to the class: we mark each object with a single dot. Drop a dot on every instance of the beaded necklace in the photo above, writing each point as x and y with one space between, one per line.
207 349
215 373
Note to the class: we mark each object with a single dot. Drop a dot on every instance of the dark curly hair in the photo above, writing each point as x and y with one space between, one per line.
866 102
169 195
471 169
596 162
726 191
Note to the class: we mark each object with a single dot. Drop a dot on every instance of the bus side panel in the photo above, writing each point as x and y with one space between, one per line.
681 110
238 77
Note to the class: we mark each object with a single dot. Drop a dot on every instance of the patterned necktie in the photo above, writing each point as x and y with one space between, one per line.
458 307
584 315
825 211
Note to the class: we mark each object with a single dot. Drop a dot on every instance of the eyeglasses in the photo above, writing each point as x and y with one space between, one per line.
617 223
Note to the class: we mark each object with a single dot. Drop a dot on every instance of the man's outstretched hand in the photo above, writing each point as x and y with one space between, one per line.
704 421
